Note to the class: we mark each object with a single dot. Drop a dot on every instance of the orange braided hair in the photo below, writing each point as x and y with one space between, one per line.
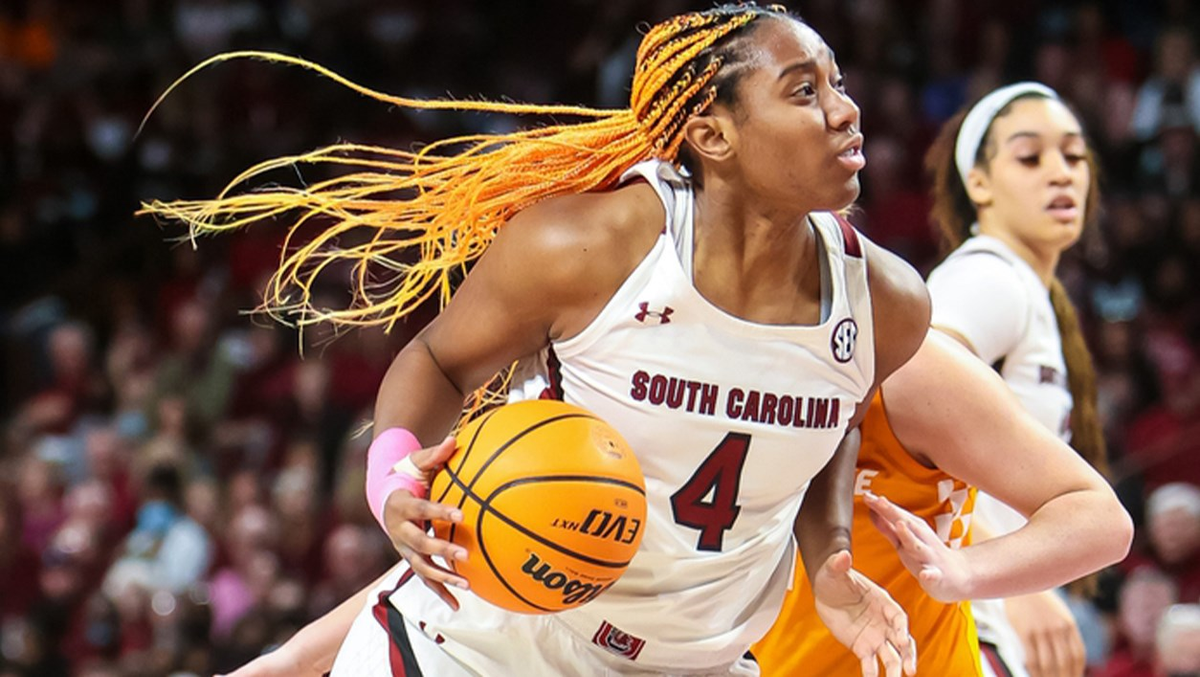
448 205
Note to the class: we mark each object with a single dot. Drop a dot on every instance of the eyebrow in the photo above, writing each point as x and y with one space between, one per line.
807 65
1034 135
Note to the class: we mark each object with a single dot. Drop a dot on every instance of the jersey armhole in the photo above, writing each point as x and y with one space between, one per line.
850 241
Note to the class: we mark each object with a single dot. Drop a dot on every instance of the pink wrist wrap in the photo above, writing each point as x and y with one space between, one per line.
392 446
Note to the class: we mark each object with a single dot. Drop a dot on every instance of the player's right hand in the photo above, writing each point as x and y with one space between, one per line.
864 617
407 519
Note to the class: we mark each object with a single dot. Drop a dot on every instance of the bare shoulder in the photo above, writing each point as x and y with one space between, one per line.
587 222
576 250
901 308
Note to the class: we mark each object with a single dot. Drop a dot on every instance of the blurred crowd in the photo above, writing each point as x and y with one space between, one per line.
180 481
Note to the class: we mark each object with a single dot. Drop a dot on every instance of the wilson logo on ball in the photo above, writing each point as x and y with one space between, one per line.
573 590
603 524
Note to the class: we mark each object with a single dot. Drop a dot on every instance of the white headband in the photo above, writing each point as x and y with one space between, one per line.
975 125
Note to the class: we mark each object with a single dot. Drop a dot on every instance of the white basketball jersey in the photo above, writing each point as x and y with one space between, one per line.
987 293
991 296
730 420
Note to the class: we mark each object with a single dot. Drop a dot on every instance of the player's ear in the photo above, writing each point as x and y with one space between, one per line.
712 135
979 187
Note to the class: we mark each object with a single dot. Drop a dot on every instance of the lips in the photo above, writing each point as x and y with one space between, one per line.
851 155
1064 209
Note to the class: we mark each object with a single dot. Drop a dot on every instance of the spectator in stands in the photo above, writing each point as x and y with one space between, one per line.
1173 525
1146 595
167 549
1177 642
1171 96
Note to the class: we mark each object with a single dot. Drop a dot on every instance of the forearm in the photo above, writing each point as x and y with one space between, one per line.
317 643
1067 538
417 395
823 525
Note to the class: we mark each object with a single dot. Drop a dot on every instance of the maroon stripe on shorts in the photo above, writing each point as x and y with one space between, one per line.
401 659
992 657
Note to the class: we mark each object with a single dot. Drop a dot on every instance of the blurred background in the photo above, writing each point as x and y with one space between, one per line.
180 483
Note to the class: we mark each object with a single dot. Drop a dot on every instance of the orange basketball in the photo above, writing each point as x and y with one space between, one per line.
553 503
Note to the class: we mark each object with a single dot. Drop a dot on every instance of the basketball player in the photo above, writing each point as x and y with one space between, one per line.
718 262
1013 189
943 425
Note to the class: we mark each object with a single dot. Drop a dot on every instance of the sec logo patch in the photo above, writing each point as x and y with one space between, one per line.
844 336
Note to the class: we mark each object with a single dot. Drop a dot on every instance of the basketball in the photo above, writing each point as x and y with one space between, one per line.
553 503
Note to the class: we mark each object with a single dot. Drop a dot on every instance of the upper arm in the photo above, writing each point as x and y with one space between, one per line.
900 314
547 268
948 407
980 300
900 306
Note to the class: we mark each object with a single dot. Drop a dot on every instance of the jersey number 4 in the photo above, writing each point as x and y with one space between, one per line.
708 501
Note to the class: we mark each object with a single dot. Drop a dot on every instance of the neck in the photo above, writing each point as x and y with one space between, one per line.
1043 260
741 237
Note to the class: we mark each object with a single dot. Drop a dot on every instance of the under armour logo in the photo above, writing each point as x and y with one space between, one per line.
664 315
842 342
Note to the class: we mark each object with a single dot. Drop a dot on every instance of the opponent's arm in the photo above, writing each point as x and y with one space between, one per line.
1042 620
957 414
1045 625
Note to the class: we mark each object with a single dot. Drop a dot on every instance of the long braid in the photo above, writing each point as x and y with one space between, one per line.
447 200
1087 434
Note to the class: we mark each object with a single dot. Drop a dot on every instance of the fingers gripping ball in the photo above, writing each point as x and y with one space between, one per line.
553 503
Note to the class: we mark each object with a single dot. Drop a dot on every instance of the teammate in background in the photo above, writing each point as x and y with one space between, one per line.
617 270
1013 188
943 425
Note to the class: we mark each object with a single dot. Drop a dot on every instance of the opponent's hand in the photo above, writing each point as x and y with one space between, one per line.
861 615
941 570
284 661
1053 645
407 518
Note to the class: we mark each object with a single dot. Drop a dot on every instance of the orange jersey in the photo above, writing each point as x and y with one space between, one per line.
800 646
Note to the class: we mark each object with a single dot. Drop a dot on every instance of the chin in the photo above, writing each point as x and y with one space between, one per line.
1071 235
845 197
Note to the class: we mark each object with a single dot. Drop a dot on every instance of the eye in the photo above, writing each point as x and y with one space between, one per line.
839 83
805 89
1029 160
1075 158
